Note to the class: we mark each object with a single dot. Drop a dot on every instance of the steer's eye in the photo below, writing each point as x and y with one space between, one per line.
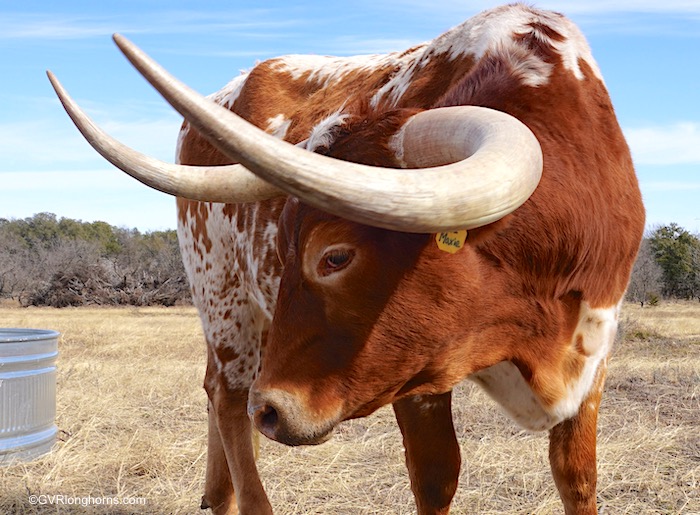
335 260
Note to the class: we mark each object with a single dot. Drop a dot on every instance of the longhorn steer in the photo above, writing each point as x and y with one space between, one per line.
365 306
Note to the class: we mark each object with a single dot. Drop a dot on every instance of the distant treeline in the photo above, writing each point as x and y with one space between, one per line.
47 261
668 266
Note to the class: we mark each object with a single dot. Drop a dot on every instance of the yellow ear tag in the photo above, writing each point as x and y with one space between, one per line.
451 241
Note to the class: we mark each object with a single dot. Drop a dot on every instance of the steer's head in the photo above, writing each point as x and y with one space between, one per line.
346 312
340 338
353 328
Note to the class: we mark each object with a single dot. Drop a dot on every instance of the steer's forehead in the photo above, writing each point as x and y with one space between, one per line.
297 221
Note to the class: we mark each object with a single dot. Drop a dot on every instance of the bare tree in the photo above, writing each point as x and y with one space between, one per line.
12 255
45 260
647 277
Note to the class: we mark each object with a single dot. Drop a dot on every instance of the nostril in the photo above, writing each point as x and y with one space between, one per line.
266 419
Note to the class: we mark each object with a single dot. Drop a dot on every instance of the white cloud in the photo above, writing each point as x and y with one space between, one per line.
347 45
625 6
47 166
37 142
57 26
677 18
669 186
671 144
101 194
58 180
566 6
55 142
31 26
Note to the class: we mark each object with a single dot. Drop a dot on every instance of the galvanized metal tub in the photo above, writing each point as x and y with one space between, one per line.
27 393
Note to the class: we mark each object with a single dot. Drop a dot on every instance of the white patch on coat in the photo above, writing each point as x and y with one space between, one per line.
574 48
505 384
324 132
529 68
597 327
497 32
278 126
394 89
234 314
227 95
396 143
327 70
500 28
232 318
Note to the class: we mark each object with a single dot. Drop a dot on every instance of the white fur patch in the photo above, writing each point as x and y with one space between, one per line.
505 384
575 47
394 89
324 132
396 144
597 328
498 29
497 32
227 95
327 70
234 314
278 126
529 68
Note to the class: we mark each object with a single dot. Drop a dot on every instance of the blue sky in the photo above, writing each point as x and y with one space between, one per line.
649 53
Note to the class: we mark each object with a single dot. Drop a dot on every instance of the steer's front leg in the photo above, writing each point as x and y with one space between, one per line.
572 454
238 489
432 451
218 488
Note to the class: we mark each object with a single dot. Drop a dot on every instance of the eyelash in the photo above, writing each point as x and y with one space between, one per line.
335 260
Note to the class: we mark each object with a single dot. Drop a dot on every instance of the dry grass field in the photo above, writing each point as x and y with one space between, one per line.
132 421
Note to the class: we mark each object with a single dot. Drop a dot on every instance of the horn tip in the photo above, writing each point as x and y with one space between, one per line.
53 80
119 39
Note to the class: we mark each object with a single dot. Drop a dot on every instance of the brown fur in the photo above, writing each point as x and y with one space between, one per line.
404 322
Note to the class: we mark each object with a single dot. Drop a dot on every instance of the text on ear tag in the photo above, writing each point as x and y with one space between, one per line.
451 241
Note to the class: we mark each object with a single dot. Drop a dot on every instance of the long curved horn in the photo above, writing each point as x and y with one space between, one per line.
497 160
478 189
417 200
229 183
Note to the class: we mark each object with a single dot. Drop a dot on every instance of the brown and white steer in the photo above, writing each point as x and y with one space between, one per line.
352 293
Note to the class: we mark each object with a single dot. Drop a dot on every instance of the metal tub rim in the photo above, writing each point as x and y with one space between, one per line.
20 334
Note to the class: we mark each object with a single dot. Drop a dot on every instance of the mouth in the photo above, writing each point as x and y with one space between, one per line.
279 416
285 437
284 417
315 439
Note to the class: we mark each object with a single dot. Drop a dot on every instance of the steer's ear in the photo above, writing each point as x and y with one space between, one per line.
286 228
